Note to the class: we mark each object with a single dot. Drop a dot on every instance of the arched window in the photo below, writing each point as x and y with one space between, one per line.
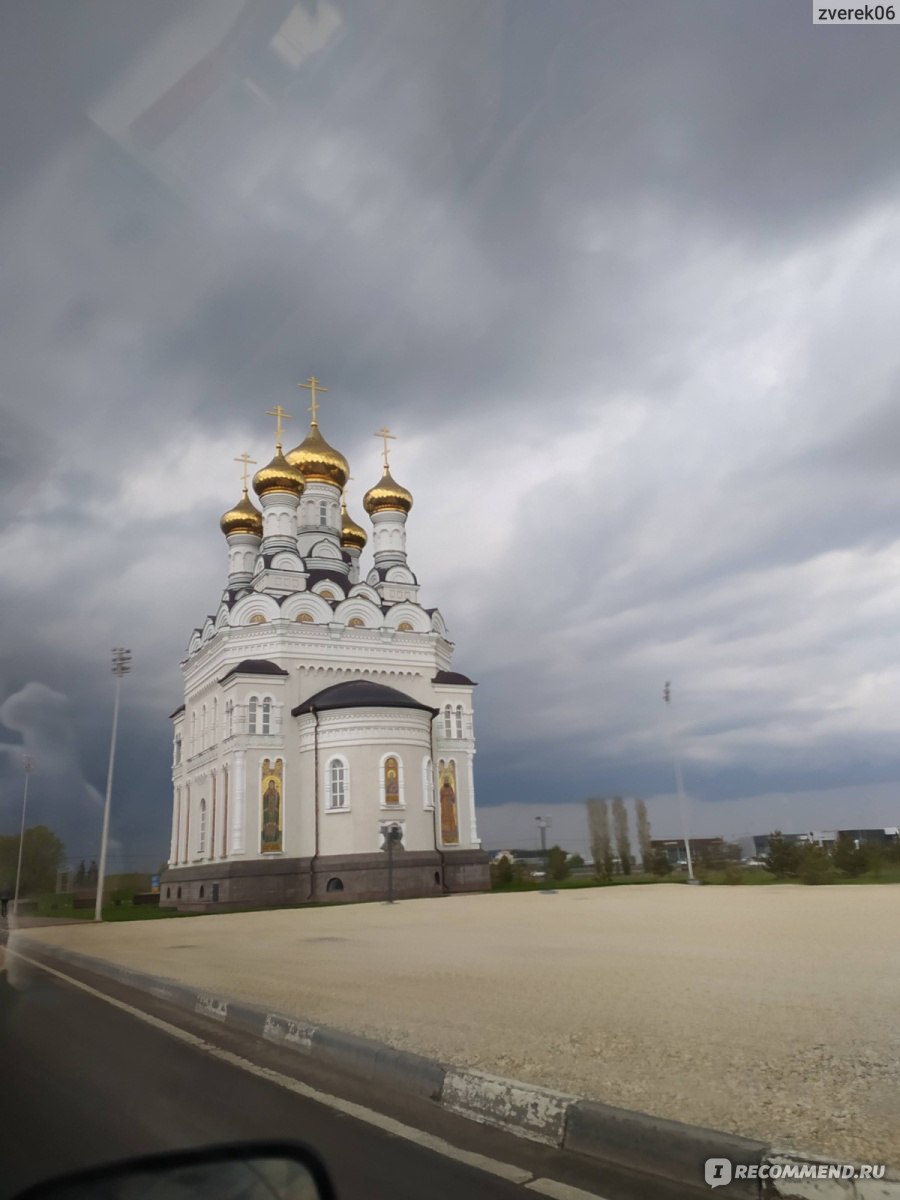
337 784
391 781
405 627
334 885
459 721
266 715
448 722
323 513
177 749
193 733
203 728
229 718
257 619
202 846
356 622
428 783
213 732
304 617
326 595
251 714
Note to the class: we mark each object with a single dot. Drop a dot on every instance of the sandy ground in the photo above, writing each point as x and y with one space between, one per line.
772 1012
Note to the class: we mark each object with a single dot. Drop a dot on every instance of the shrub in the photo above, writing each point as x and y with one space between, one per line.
502 873
734 873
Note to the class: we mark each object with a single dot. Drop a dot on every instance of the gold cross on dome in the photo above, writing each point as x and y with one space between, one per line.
247 461
280 415
385 433
314 386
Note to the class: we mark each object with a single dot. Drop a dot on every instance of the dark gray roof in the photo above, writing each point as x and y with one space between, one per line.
178 710
254 666
359 693
333 576
453 677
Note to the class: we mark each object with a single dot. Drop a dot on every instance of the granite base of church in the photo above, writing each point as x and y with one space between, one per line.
262 883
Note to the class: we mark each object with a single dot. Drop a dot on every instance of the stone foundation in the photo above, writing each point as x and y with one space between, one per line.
264 883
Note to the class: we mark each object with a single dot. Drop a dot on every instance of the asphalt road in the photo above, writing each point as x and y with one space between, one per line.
83 1082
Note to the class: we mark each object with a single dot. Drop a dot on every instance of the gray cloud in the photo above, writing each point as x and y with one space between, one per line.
617 274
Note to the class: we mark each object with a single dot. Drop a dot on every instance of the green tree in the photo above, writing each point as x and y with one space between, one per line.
42 856
643 833
557 863
874 859
814 864
849 859
783 858
623 841
575 860
659 862
601 840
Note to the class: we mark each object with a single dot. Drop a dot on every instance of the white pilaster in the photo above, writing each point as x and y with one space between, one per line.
473 823
238 801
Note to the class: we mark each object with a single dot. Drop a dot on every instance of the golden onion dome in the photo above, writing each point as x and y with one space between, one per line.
243 518
351 533
387 494
278 476
318 461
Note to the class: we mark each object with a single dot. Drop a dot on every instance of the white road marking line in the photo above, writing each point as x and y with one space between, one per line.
560 1191
427 1140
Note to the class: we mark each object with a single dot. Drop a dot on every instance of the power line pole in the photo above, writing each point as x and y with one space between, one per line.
679 782
121 660
27 765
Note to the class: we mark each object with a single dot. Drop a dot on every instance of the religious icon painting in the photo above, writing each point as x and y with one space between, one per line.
391 781
272 790
448 803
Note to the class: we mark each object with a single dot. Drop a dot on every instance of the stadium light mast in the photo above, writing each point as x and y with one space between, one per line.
121 665
27 765
679 782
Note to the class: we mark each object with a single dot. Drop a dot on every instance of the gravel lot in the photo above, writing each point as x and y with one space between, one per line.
772 1011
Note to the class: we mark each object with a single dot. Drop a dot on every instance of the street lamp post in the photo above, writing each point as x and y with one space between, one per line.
27 765
542 825
121 665
679 783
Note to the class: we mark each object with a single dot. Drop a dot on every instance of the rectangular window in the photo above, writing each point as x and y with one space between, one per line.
338 785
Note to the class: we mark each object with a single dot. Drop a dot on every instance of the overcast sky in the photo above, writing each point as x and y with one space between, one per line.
621 275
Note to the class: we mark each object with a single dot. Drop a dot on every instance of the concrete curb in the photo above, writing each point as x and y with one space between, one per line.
633 1141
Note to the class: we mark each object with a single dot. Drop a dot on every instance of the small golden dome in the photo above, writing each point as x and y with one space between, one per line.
278 476
243 518
319 461
387 494
351 533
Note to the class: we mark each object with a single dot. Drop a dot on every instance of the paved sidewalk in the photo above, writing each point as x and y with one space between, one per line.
764 1011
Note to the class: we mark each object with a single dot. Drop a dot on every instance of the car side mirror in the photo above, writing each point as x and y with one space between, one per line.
253 1171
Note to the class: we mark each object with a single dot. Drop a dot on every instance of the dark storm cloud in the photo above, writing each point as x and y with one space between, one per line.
593 257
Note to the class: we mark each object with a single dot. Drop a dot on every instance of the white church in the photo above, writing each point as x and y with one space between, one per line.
321 717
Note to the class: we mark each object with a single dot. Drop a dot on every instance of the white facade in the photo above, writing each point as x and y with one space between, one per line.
290 626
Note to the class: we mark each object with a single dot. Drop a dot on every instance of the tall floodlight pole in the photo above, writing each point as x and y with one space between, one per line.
679 782
121 665
27 764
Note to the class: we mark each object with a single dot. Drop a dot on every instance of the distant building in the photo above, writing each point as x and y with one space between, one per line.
700 847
